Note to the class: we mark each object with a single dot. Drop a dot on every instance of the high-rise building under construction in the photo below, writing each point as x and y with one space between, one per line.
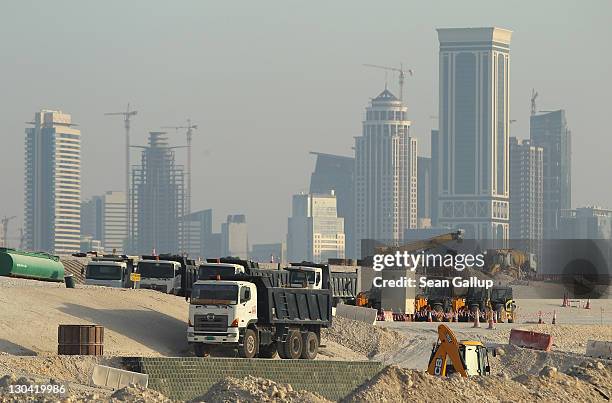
157 198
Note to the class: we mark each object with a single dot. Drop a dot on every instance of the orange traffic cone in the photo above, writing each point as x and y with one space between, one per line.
554 319
477 318
429 317
588 304
564 301
540 321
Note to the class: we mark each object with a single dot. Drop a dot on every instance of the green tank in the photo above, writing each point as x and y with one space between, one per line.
36 265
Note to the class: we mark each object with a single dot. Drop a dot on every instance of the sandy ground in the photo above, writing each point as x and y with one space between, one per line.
149 323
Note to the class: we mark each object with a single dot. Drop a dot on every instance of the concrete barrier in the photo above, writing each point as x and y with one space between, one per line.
117 378
367 315
537 341
599 349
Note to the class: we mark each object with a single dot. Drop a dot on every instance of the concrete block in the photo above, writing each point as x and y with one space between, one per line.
599 349
367 315
117 378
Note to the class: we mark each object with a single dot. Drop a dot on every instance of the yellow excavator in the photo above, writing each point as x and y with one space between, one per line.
512 262
466 357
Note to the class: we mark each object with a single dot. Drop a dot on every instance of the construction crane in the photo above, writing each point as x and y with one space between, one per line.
402 75
189 131
534 96
5 223
127 116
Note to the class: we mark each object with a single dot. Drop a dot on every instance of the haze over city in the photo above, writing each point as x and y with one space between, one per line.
269 82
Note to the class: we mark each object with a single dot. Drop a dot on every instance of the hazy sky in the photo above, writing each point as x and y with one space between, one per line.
269 81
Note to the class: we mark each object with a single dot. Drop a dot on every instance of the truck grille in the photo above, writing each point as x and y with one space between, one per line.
210 323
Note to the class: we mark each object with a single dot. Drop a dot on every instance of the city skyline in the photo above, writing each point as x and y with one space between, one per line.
103 137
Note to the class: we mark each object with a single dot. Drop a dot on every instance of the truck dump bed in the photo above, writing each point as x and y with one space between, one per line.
294 306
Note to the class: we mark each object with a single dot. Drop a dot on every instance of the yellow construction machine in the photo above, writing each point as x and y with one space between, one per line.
512 262
466 357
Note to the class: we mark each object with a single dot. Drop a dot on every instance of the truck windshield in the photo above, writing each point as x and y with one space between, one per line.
214 294
156 270
103 272
300 278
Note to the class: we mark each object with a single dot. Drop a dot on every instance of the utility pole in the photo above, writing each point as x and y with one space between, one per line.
127 116
5 223
402 75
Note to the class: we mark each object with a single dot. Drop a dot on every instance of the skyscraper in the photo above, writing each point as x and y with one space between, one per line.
336 172
424 192
315 232
104 218
52 183
549 130
158 192
526 191
385 173
434 177
473 158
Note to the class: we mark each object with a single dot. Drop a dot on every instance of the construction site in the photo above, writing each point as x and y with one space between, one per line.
165 328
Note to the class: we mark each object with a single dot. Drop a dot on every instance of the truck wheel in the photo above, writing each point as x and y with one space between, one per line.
268 351
201 350
310 346
293 345
249 344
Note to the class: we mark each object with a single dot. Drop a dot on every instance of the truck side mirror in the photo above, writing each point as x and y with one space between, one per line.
247 295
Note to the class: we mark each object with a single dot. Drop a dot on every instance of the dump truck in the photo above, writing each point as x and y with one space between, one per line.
503 304
160 275
344 285
466 357
111 271
248 314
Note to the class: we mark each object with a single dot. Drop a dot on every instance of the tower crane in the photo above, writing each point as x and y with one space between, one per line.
402 75
5 223
127 116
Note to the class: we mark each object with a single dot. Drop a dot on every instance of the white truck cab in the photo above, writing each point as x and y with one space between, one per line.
106 273
305 277
220 311
160 275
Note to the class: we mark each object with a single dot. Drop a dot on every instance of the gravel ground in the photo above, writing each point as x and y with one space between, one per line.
361 337
252 389
581 384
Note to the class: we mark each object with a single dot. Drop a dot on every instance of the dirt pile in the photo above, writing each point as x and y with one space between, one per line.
366 339
252 389
588 383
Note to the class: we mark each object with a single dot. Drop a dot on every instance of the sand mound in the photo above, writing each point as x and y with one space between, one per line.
361 337
252 389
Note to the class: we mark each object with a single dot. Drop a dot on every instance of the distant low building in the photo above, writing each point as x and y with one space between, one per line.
198 230
105 218
269 252
234 236
586 223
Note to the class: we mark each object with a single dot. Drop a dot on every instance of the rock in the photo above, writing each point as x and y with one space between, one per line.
548 372
500 351
7 380
599 365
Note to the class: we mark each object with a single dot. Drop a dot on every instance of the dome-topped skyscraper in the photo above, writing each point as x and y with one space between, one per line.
385 172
